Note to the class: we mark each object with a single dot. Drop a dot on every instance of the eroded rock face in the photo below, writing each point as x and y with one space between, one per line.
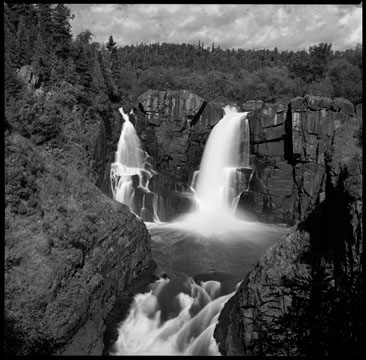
69 252
304 297
173 127
288 143
170 118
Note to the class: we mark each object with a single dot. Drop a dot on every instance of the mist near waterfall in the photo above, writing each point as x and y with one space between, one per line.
204 254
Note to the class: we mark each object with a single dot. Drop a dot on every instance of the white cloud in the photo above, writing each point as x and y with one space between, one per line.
288 27
102 8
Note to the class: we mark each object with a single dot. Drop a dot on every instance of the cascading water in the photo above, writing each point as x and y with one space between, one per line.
130 174
219 162
210 245
190 314
222 176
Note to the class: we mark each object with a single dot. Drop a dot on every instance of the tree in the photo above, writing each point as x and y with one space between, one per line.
346 80
83 57
320 56
62 36
41 60
45 24
111 45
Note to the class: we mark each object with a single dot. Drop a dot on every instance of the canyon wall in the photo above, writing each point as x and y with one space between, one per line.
304 297
70 250
288 144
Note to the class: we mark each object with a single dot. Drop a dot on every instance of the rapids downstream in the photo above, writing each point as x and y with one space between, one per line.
205 254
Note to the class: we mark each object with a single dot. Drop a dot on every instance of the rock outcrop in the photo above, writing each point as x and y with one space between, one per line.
173 127
304 297
288 144
70 251
27 75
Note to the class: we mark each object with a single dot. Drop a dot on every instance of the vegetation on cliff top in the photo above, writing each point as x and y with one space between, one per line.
40 35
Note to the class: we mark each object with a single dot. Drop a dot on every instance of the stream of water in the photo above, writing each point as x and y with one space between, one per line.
205 253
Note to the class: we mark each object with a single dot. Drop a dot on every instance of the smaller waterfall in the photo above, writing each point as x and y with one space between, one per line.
130 174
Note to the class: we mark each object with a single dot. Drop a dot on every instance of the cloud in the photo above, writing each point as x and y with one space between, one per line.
288 27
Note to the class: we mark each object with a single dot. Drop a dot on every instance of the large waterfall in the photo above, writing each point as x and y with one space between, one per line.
221 159
224 174
205 254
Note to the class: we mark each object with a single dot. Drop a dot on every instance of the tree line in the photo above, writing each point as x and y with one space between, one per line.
96 75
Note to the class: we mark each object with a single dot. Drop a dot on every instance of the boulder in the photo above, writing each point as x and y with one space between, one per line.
27 75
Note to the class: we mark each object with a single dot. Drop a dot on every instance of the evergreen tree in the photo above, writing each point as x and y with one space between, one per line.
22 40
41 60
10 41
83 57
45 24
111 45
62 36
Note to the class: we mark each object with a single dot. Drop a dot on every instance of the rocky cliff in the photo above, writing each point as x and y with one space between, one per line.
70 251
288 144
305 296
173 127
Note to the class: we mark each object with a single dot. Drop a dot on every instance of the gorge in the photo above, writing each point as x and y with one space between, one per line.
304 164
178 314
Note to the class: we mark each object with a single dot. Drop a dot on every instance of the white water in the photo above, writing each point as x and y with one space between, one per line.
218 183
131 171
188 331
219 162
207 241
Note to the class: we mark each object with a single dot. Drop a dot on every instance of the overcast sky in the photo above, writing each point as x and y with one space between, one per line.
287 27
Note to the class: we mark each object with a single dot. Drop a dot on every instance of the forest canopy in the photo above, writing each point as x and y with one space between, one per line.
95 75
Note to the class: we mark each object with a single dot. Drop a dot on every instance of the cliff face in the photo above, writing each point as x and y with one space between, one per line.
70 251
288 144
304 297
173 127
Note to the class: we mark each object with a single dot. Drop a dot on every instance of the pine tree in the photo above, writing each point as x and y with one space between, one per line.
111 45
45 24
98 84
83 57
106 68
10 46
21 42
62 36
41 60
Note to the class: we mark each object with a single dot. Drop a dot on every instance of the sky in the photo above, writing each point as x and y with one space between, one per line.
244 26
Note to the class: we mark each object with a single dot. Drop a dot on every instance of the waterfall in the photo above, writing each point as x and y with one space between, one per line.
224 173
178 314
130 174
220 160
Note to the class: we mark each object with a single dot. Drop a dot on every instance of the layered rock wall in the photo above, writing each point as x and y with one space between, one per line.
288 144
173 127
304 297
